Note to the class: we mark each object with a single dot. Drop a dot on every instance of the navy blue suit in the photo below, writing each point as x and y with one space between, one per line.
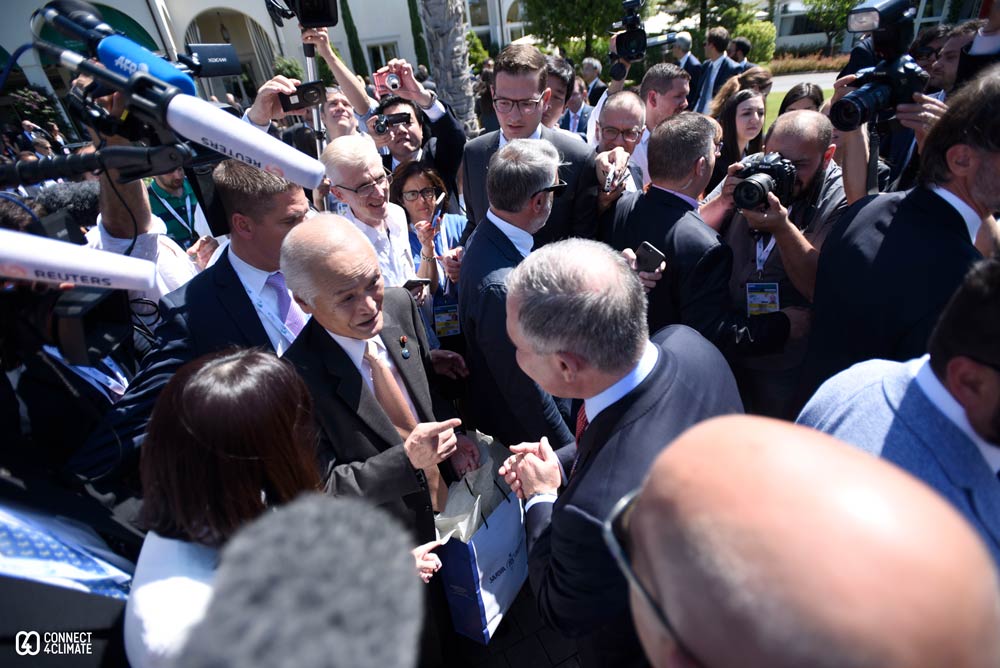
505 402
885 273
209 313
693 67
580 590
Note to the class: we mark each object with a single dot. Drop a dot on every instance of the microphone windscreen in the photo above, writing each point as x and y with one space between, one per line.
122 55
32 258
321 582
206 124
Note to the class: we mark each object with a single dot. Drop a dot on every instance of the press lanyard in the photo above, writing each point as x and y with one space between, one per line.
113 385
271 316
763 252
189 225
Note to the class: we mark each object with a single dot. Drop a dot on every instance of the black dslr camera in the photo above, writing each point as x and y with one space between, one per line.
892 81
631 44
384 121
763 174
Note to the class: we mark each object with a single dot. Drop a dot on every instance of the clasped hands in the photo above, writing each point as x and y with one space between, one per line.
532 469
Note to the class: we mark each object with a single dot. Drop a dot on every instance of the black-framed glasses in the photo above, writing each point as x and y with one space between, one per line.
610 133
426 193
505 106
367 189
556 189
718 148
616 538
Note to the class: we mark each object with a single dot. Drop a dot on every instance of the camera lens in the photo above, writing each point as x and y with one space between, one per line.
311 96
857 107
392 82
752 192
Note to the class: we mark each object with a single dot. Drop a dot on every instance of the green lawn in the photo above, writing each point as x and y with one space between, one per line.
774 101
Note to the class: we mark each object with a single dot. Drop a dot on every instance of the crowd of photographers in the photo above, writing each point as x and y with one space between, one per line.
607 269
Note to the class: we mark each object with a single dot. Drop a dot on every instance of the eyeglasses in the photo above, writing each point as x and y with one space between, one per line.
616 538
718 148
426 193
367 189
556 189
505 106
925 52
610 134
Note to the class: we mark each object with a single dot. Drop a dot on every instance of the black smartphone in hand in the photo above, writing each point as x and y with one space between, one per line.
648 257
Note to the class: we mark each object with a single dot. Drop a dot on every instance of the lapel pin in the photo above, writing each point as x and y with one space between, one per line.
403 340
405 352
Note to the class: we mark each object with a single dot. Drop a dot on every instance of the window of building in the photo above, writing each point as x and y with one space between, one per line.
380 54
479 13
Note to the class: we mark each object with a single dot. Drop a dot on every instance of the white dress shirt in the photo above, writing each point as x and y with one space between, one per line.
939 395
969 215
264 300
522 241
593 406
391 241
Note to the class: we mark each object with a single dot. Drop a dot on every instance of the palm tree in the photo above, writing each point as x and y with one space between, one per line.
445 28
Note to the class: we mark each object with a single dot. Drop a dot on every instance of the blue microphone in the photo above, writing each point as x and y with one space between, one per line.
122 55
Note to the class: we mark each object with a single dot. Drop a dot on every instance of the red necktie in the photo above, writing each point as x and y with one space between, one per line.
581 426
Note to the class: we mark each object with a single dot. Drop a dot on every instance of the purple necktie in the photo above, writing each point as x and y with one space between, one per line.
291 315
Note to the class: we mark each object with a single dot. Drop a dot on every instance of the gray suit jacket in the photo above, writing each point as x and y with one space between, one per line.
878 407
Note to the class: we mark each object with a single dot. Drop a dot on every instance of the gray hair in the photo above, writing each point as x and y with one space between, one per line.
677 143
308 246
581 297
344 153
591 62
625 100
518 171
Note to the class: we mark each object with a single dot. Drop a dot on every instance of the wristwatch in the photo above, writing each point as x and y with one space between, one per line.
434 98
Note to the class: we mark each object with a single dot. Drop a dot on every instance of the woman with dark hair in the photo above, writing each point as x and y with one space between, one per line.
230 436
742 119
803 95
756 78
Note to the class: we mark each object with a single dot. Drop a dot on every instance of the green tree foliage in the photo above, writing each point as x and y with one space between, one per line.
34 104
360 65
761 35
477 52
830 17
288 67
417 28
726 13
558 21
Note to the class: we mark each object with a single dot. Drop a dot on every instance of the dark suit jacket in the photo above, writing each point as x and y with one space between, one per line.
693 67
594 96
442 150
574 213
209 313
695 289
885 274
505 402
360 452
580 591
581 125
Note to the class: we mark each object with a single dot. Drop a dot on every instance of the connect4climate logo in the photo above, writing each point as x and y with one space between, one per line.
28 643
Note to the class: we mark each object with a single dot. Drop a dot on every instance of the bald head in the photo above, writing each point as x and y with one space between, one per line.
343 155
769 544
803 125
321 250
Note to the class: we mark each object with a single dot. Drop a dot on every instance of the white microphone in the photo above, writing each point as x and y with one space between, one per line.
28 257
206 124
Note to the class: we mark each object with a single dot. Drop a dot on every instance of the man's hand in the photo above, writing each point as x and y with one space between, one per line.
616 159
649 279
466 457
920 116
801 319
772 220
842 87
430 443
449 363
201 251
409 87
267 106
318 37
533 469
427 562
381 139
452 263
729 185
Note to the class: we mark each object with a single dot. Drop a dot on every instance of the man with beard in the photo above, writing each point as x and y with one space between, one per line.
776 250
892 262
937 416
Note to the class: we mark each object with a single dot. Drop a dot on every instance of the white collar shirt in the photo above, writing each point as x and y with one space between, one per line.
263 298
391 242
597 403
969 215
355 349
522 241
942 399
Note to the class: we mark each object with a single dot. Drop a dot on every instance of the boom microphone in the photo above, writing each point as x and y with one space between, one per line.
116 52
27 257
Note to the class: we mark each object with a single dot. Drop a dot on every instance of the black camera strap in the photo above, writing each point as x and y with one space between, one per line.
873 150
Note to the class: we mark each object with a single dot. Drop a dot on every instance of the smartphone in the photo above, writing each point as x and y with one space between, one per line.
306 95
648 257
415 283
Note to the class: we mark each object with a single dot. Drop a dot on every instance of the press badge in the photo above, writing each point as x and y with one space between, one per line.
762 298
446 320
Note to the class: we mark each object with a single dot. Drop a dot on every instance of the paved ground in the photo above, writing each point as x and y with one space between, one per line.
784 83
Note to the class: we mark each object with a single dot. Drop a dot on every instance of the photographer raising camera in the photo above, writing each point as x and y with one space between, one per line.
774 210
